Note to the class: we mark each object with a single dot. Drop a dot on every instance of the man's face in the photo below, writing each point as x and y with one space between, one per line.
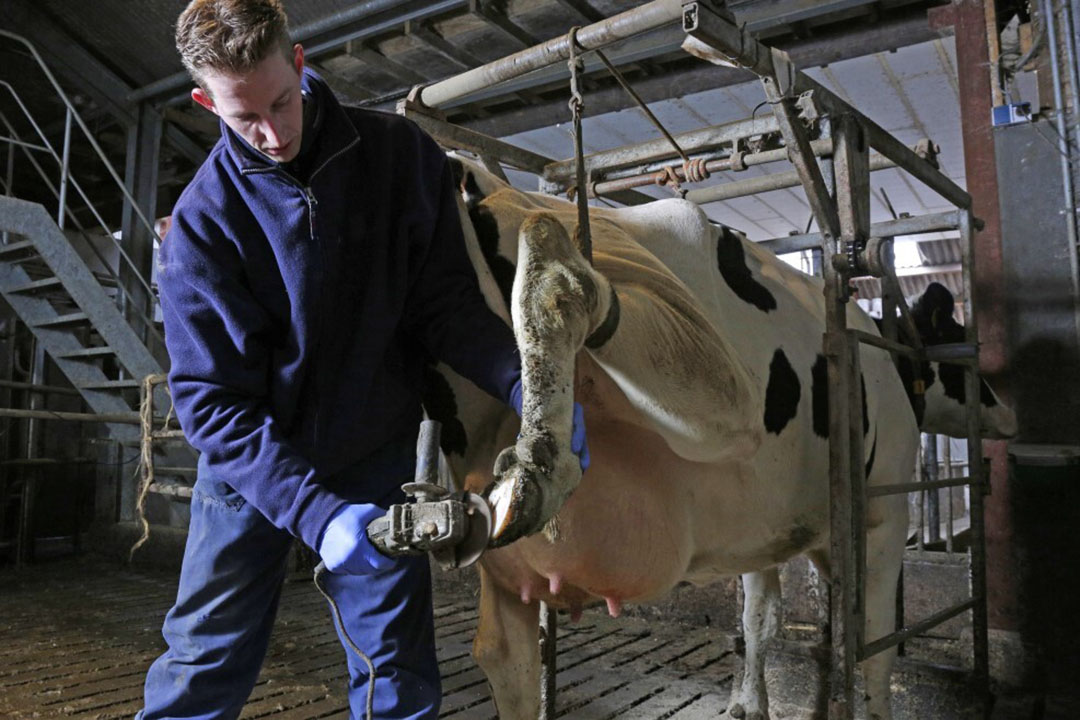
263 105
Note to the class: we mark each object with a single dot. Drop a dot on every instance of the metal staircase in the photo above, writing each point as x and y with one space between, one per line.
52 290
94 321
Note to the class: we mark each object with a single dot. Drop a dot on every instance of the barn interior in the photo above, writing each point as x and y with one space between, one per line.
100 136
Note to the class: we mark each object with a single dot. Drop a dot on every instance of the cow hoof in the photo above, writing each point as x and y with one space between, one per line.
516 500
738 710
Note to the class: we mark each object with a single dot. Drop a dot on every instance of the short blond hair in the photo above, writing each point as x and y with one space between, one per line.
230 36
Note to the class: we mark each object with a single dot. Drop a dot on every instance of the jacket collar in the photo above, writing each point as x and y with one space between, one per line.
333 130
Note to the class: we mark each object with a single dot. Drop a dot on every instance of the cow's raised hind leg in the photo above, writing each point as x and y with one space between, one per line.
558 300
761 619
506 649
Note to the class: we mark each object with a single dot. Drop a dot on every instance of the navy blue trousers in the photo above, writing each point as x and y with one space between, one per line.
230 585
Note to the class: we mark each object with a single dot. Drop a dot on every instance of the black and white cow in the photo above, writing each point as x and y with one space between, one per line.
705 400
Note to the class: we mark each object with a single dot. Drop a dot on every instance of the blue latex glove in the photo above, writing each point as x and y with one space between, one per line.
577 431
344 545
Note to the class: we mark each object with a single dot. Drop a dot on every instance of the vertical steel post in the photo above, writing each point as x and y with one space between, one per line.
9 180
1047 7
851 168
979 486
141 179
65 170
946 465
24 550
548 650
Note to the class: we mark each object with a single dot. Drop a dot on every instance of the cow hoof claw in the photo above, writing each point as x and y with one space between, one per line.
515 501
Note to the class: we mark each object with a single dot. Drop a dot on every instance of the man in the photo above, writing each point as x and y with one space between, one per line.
313 262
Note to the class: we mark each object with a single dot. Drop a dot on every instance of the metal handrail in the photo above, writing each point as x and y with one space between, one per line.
67 177
68 212
73 114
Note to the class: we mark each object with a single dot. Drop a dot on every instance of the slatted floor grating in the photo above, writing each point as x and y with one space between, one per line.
76 638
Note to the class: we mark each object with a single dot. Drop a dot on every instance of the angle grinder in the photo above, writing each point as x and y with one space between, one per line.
454 526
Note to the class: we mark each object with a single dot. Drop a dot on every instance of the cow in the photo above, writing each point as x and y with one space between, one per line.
696 355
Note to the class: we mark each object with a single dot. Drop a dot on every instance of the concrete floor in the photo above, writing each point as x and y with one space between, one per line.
77 635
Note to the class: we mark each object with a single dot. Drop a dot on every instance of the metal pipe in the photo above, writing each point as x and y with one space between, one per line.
1067 26
820 148
20 143
914 629
765 183
591 37
47 389
917 225
693 141
9 178
979 485
1066 158
131 418
65 169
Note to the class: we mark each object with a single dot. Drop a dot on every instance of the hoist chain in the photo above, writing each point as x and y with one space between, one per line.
577 107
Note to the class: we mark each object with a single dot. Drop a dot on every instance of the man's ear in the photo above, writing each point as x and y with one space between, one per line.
298 58
203 98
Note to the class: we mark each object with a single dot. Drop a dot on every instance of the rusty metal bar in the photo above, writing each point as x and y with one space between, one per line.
548 661
899 488
591 37
765 183
979 619
123 418
46 389
703 139
934 620
462 138
885 344
918 225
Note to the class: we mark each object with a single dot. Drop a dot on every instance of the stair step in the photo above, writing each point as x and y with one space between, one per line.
15 247
62 320
37 286
87 353
109 385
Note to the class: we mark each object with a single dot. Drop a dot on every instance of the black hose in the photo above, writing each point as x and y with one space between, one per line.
321 570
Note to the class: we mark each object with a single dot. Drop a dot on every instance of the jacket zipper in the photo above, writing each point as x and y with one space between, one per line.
313 204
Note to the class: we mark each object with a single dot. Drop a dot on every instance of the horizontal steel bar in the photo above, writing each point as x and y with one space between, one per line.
627 180
591 37
46 389
693 141
23 143
953 353
883 643
901 488
883 343
455 136
45 461
120 418
764 183
936 222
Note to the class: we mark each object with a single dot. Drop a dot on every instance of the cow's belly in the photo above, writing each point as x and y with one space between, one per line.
643 519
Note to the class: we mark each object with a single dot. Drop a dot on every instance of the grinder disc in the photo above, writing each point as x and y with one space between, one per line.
476 540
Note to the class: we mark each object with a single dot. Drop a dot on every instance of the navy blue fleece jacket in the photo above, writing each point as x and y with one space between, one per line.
298 315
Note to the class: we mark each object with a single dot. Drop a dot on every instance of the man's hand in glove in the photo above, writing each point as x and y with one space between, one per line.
344 545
